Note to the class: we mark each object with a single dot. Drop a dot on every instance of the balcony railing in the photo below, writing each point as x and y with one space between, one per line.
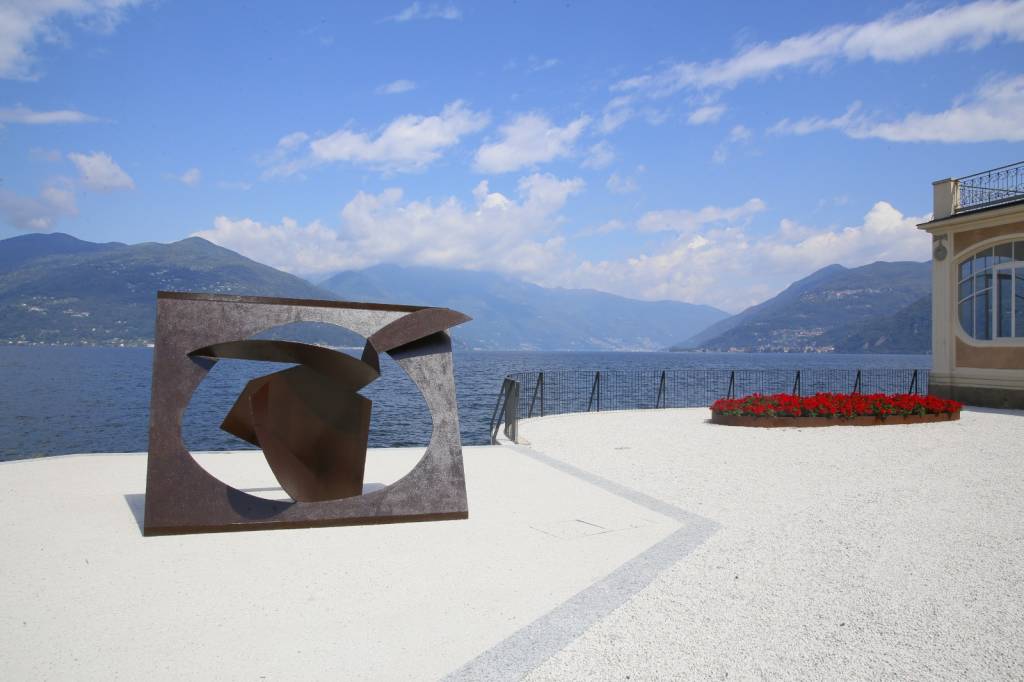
993 187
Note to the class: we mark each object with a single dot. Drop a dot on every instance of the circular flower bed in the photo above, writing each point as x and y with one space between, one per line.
832 409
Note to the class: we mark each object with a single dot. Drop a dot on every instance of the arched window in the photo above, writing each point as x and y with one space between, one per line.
991 292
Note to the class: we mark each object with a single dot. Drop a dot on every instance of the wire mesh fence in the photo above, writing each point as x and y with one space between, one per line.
537 394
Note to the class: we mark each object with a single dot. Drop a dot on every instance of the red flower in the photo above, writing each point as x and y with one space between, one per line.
843 405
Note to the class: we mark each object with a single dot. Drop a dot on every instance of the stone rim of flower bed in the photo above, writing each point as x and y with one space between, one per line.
861 420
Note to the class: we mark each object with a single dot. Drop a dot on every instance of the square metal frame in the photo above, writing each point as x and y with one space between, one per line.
182 497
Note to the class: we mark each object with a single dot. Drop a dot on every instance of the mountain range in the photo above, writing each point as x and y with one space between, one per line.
511 314
56 289
877 308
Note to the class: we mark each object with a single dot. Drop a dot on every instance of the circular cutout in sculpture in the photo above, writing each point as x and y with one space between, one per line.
832 409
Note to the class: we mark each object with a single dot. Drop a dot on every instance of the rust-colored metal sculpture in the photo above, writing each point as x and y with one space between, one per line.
309 419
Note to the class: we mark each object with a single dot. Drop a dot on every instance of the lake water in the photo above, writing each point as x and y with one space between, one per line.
64 400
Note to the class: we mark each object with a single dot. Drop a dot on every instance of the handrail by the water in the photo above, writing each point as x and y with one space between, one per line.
570 391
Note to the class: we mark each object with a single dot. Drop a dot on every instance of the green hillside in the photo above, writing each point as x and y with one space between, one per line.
834 309
105 294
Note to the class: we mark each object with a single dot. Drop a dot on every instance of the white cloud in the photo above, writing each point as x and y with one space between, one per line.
707 114
709 255
837 200
528 140
621 185
27 116
24 23
396 87
616 112
99 172
496 233
408 143
684 221
791 230
656 117
599 156
284 159
287 246
895 37
993 113
726 265
292 141
433 10
613 225
886 234
814 124
739 134
535 64
191 177
37 214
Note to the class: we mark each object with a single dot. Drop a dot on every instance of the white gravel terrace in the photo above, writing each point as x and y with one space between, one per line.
617 545
840 553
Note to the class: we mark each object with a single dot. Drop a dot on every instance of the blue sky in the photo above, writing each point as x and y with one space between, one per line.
708 152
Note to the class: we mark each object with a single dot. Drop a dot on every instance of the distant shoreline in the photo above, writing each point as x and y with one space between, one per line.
8 344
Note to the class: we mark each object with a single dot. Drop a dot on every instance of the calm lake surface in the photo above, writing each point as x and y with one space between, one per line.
66 400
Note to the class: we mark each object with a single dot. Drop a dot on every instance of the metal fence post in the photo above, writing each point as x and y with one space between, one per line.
536 390
731 393
499 408
515 429
660 400
856 383
512 412
913 383
508 407
796 384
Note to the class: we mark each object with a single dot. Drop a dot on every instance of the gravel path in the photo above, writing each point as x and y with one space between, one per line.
843 552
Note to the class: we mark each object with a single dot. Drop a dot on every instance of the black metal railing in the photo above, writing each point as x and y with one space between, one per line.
993 187
524 395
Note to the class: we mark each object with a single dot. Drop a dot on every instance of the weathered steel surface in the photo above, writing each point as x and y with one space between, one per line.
339 367
195 329
312 430
414 327
776 422
310 422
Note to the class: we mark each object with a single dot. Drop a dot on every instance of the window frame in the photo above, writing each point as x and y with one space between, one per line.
982 279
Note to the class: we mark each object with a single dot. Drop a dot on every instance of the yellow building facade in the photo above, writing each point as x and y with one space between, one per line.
977 233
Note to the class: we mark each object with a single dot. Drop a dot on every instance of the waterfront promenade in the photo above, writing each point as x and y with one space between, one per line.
647 545
838 553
